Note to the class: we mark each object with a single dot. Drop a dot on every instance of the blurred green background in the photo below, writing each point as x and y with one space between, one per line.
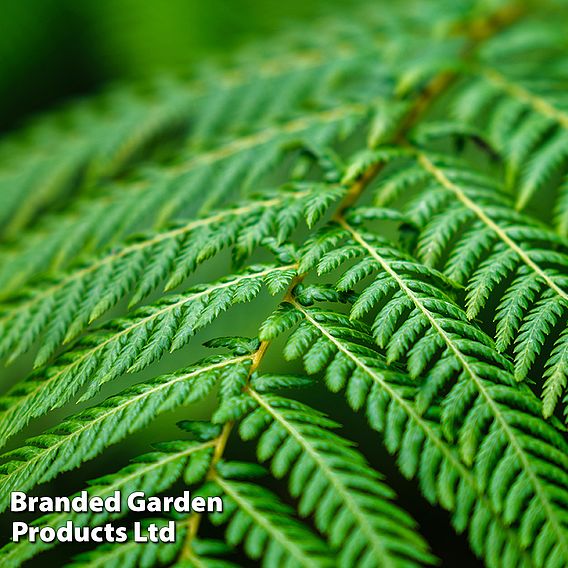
55 50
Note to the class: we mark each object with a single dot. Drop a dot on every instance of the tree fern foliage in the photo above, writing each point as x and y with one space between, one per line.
368 217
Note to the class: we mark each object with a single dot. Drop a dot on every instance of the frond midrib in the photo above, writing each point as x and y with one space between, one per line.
6 415
114 410
536 483
102 490
465 474
536 102
356 511
144 244
262 521
501 233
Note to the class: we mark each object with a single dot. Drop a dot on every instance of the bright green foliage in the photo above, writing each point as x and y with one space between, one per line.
331 480
83 436
263 524
513 267
328 341
130 344
59 309
382 198
216 161
518 102
153 472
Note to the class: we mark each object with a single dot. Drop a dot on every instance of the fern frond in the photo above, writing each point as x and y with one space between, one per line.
332 481
84 435
483 411
504 259
151 473
200 181
555 374
561 209
129 344
126 196
526 231
58 309
86 144
329 342
206 554
261 523
517 98
83 144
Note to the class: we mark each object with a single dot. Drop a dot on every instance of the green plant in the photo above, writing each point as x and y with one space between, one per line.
412 240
